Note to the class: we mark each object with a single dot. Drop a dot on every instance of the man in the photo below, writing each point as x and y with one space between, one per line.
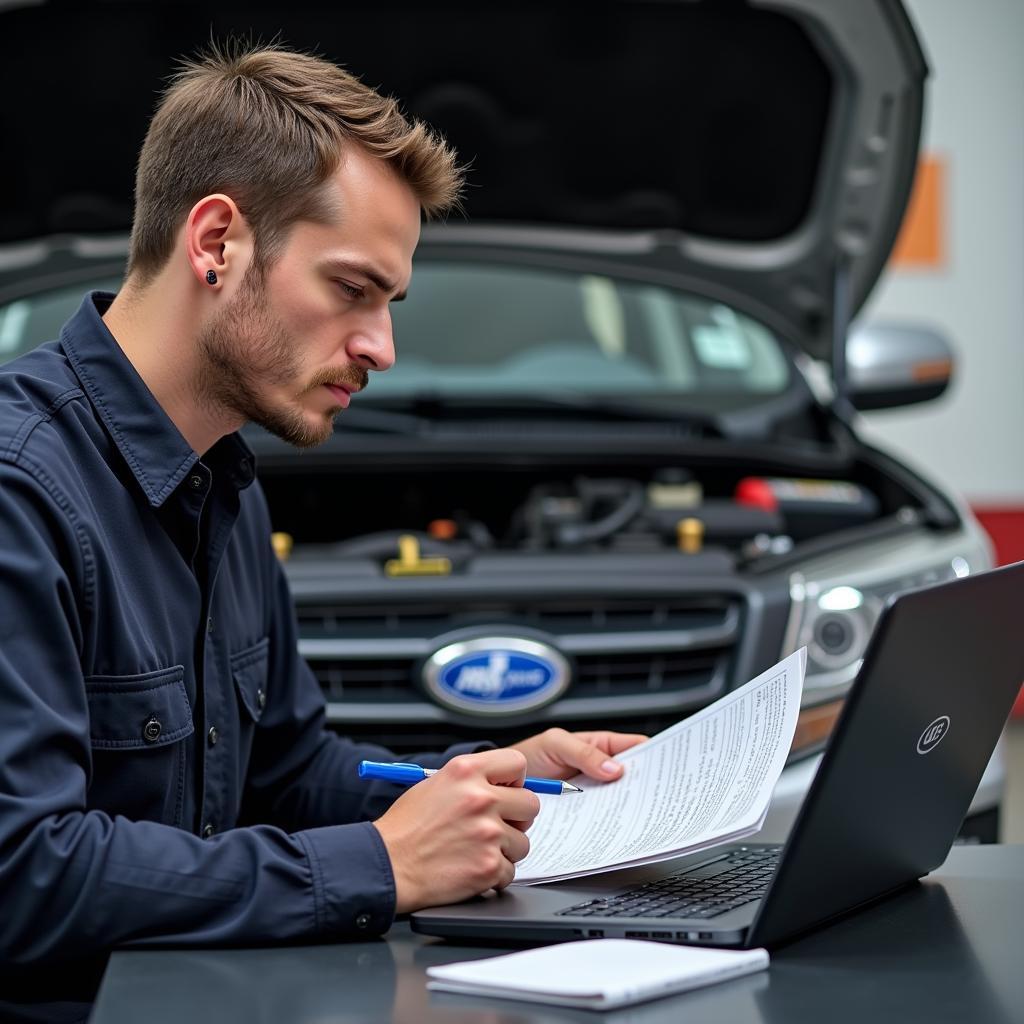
165 773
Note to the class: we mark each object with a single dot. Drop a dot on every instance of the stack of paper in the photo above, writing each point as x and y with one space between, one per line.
706 780
598 974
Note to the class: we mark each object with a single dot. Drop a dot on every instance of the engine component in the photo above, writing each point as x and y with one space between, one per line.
411 563
595 510
690 535
809 507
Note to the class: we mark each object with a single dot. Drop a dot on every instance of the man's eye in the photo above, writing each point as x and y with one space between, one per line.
350 290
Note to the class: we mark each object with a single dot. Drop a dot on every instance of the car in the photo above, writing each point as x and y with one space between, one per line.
616 471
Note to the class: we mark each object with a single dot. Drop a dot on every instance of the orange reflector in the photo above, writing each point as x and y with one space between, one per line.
936 369
814 725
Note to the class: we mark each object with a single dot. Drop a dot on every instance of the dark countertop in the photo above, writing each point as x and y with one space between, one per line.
949 949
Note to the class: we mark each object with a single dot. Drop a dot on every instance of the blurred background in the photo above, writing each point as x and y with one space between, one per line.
959 263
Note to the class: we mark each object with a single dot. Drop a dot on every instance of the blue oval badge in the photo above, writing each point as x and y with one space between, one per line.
496 675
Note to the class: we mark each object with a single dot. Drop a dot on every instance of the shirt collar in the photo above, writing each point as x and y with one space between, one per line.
151 444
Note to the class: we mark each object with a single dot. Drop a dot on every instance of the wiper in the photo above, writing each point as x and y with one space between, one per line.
427 409
589 407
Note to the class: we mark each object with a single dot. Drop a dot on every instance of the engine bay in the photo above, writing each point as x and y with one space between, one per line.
459 514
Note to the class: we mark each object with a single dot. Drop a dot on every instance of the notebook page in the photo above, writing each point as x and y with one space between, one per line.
598 973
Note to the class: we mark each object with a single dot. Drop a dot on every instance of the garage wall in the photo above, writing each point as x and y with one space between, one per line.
973 439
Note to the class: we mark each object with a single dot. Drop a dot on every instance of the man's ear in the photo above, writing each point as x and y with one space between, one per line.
217 239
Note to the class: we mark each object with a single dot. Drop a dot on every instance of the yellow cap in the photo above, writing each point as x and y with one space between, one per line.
409 562
283 544
690 535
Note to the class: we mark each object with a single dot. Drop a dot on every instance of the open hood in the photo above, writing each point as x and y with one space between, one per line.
764 149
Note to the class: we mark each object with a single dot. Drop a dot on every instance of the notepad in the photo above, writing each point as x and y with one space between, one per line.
598 974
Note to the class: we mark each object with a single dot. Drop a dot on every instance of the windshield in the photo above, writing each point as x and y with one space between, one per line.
493 330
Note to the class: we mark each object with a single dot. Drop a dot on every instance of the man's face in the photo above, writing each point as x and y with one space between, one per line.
293 344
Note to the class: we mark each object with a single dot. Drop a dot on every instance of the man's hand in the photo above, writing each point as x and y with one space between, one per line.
557 754
459 832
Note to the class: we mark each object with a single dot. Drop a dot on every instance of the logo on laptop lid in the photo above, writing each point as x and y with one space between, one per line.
932 736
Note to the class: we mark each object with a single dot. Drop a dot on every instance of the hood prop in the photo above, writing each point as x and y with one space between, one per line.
841 404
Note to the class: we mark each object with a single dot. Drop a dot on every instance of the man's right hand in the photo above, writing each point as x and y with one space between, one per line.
461 831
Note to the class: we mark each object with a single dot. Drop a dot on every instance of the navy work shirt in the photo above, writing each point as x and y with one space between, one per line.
165 771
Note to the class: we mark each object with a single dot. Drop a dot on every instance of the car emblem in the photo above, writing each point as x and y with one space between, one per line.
496 675
932 736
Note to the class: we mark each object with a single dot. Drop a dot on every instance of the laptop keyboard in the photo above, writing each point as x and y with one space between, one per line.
712 888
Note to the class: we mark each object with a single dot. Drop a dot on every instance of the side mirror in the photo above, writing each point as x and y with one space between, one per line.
889 365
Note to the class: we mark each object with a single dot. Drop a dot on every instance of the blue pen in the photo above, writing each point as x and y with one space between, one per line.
414 773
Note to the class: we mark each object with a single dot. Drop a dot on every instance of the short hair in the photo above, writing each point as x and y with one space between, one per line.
267 126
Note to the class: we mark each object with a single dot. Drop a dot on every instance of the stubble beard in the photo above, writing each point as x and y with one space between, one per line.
244 350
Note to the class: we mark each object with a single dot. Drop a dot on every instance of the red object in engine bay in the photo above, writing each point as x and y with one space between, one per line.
756 491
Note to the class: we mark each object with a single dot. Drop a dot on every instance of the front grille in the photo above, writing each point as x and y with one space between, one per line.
556 617
638 663
617 674
394 679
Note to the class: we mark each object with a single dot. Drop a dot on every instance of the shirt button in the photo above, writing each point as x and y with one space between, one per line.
212 736
261 699
152 729
363 921
195 481
208 830
209 625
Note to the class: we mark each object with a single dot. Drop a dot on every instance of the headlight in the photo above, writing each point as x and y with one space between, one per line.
835 608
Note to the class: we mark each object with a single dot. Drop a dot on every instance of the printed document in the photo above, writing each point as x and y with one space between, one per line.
706 780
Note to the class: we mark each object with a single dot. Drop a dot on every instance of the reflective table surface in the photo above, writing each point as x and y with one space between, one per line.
948 949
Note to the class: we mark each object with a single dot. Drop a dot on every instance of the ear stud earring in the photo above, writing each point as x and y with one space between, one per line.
211 277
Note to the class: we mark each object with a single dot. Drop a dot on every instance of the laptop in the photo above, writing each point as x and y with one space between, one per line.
936 685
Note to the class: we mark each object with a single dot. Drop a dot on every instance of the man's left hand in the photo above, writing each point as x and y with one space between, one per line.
557 754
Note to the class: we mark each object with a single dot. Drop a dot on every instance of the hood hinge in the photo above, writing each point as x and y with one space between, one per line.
841 404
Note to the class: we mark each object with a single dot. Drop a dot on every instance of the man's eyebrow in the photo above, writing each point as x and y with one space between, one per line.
354 266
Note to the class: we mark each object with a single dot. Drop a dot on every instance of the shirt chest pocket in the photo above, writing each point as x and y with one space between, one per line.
138 725
249 672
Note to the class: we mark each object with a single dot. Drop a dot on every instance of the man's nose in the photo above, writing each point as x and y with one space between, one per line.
372 345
